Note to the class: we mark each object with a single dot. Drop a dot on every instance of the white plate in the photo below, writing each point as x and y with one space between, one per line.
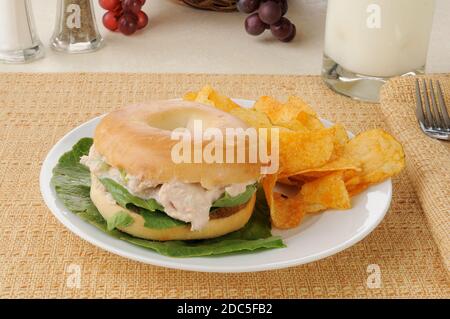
318 236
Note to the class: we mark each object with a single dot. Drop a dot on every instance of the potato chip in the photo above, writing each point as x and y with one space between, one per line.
222 102
325 192
302 114
340 140
269 106
288 181
297 103
381 156
300 151
203 95
285 212
337 161
300 179
308 121
349 174
354 190
207 95
352 181
190 96
293 125
251 117
294 114
340 164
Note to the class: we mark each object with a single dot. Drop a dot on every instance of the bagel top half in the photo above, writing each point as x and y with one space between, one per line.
138 140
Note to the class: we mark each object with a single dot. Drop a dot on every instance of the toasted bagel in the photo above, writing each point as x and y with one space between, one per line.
138 140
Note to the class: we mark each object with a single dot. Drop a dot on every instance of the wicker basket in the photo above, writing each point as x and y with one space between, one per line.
215 5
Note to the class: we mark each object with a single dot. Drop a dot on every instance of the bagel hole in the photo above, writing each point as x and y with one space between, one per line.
183 118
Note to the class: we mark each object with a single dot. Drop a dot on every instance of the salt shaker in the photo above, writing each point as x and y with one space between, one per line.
76 30
19 41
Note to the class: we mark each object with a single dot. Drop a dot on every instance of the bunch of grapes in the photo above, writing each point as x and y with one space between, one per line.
125 16
268 14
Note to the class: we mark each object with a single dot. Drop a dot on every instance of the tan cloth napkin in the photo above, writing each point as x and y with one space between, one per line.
428 160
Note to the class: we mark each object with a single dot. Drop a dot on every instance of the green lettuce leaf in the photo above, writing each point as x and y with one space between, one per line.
124 198
72 180
227 201
72 184
255 235
159 220
150 209
120 219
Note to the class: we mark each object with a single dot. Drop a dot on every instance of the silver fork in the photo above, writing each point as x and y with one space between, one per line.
431 112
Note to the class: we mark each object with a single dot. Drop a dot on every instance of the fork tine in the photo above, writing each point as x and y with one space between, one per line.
430 120
419 104
443 107
438 120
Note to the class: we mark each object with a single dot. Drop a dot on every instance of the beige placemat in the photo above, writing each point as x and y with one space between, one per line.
428 160
36 251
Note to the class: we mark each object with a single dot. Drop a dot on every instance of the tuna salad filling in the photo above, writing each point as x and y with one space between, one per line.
187 202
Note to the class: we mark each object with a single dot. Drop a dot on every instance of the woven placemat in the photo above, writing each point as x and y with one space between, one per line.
38 254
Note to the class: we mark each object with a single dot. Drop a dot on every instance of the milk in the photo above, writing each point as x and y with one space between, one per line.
379 38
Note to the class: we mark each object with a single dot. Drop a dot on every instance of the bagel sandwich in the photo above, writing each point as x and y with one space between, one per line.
139 189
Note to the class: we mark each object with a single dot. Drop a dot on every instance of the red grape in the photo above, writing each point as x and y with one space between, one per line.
133 6
247 6
128 23
254 25
291 36
124 15
282 29
110 21
142 20
111 5
270 12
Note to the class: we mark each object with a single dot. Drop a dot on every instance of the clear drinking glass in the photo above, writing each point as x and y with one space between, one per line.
76 30
369 41
19 41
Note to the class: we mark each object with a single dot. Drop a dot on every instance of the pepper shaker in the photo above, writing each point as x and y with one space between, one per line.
76 30
19 41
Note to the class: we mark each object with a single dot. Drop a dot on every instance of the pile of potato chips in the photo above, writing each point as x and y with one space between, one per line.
322 165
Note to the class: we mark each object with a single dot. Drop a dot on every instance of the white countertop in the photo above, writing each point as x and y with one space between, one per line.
180 39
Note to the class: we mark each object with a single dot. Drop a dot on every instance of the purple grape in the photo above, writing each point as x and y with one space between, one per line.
292 35
284 7
283 4
269 12
248 6
133 6
254 25
282 29
128 23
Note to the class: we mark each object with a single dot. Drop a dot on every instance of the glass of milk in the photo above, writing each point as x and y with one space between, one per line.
18 39
369 41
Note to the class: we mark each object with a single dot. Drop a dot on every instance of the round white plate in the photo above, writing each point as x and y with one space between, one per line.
317 237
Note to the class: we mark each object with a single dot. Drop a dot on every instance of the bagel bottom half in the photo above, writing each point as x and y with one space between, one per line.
216 226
